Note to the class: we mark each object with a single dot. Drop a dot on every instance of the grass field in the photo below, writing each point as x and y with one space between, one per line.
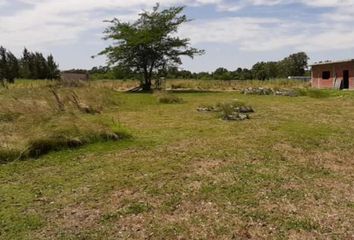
287 173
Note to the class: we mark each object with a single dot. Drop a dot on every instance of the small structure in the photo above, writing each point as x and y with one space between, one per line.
300 78
74 76
337 75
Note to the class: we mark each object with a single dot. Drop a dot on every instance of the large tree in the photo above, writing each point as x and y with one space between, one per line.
149 44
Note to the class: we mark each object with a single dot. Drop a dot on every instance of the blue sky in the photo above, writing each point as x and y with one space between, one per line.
234 33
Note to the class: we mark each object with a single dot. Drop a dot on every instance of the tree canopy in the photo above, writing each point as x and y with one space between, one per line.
9 66
149 45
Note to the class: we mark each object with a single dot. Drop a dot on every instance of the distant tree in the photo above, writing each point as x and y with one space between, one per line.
149 44
12 67
2 65
9 66
259 71
25 64
53 70
247 74
100 69
204 76
294 65
41 66
121 72
222 74
272 70
36 66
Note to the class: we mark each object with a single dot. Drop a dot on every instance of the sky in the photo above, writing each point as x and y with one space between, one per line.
234 33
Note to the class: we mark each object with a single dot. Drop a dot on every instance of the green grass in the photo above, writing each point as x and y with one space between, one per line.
169 99
285 173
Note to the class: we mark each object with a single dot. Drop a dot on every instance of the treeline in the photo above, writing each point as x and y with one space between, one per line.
32 65
294 65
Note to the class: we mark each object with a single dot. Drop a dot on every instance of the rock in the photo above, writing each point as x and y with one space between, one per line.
245 109
203 109
111 136
236 117
243 116
269 91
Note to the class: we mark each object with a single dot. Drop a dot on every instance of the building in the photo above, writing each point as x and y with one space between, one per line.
74 76
337 75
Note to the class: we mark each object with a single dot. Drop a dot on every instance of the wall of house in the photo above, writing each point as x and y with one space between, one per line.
336 69
74 76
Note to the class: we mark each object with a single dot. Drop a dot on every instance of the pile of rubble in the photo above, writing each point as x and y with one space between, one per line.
233 111
269 91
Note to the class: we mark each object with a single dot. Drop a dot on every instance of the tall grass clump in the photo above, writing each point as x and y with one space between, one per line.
38 120
61 141
41 146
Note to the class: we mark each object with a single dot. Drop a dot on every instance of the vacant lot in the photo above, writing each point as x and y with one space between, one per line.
287 173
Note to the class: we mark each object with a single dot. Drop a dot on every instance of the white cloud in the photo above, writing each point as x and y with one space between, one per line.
60 22
270 34
54 22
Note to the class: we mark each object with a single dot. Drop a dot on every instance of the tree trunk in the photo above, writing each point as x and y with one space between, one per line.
146 85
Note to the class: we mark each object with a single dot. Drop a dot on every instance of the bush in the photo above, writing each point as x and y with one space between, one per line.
170 99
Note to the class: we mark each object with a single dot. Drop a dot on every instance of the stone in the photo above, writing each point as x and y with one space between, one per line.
245 109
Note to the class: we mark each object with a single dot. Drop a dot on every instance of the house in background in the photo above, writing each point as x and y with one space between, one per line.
337 75
74 75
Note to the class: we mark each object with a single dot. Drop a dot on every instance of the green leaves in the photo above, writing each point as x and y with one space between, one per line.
149 44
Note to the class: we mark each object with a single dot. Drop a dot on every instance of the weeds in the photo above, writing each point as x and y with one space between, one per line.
83 107
58 100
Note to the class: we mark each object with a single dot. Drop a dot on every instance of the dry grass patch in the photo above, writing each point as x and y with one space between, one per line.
35 121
